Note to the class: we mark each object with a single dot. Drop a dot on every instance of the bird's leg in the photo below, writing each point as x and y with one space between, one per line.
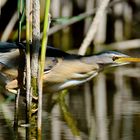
66 114
51 100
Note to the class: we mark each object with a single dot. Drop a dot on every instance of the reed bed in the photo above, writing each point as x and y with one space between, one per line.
106 108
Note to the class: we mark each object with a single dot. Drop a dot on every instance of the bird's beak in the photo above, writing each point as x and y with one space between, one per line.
127 60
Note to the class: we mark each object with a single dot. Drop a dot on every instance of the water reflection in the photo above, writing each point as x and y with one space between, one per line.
106 109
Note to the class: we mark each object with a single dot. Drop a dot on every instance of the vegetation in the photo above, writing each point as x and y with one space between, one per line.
107 107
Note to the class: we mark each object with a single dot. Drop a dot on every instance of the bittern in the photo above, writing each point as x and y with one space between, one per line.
62 70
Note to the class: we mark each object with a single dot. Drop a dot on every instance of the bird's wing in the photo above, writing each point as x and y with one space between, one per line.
10 60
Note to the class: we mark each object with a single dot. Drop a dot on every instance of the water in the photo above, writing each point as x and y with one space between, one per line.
106 115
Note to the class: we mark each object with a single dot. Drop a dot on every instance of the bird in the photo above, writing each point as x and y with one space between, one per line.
62 70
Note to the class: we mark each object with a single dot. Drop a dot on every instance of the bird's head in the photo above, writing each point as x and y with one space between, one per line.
111 58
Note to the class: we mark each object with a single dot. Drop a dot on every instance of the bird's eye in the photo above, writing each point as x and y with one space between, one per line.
114 58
